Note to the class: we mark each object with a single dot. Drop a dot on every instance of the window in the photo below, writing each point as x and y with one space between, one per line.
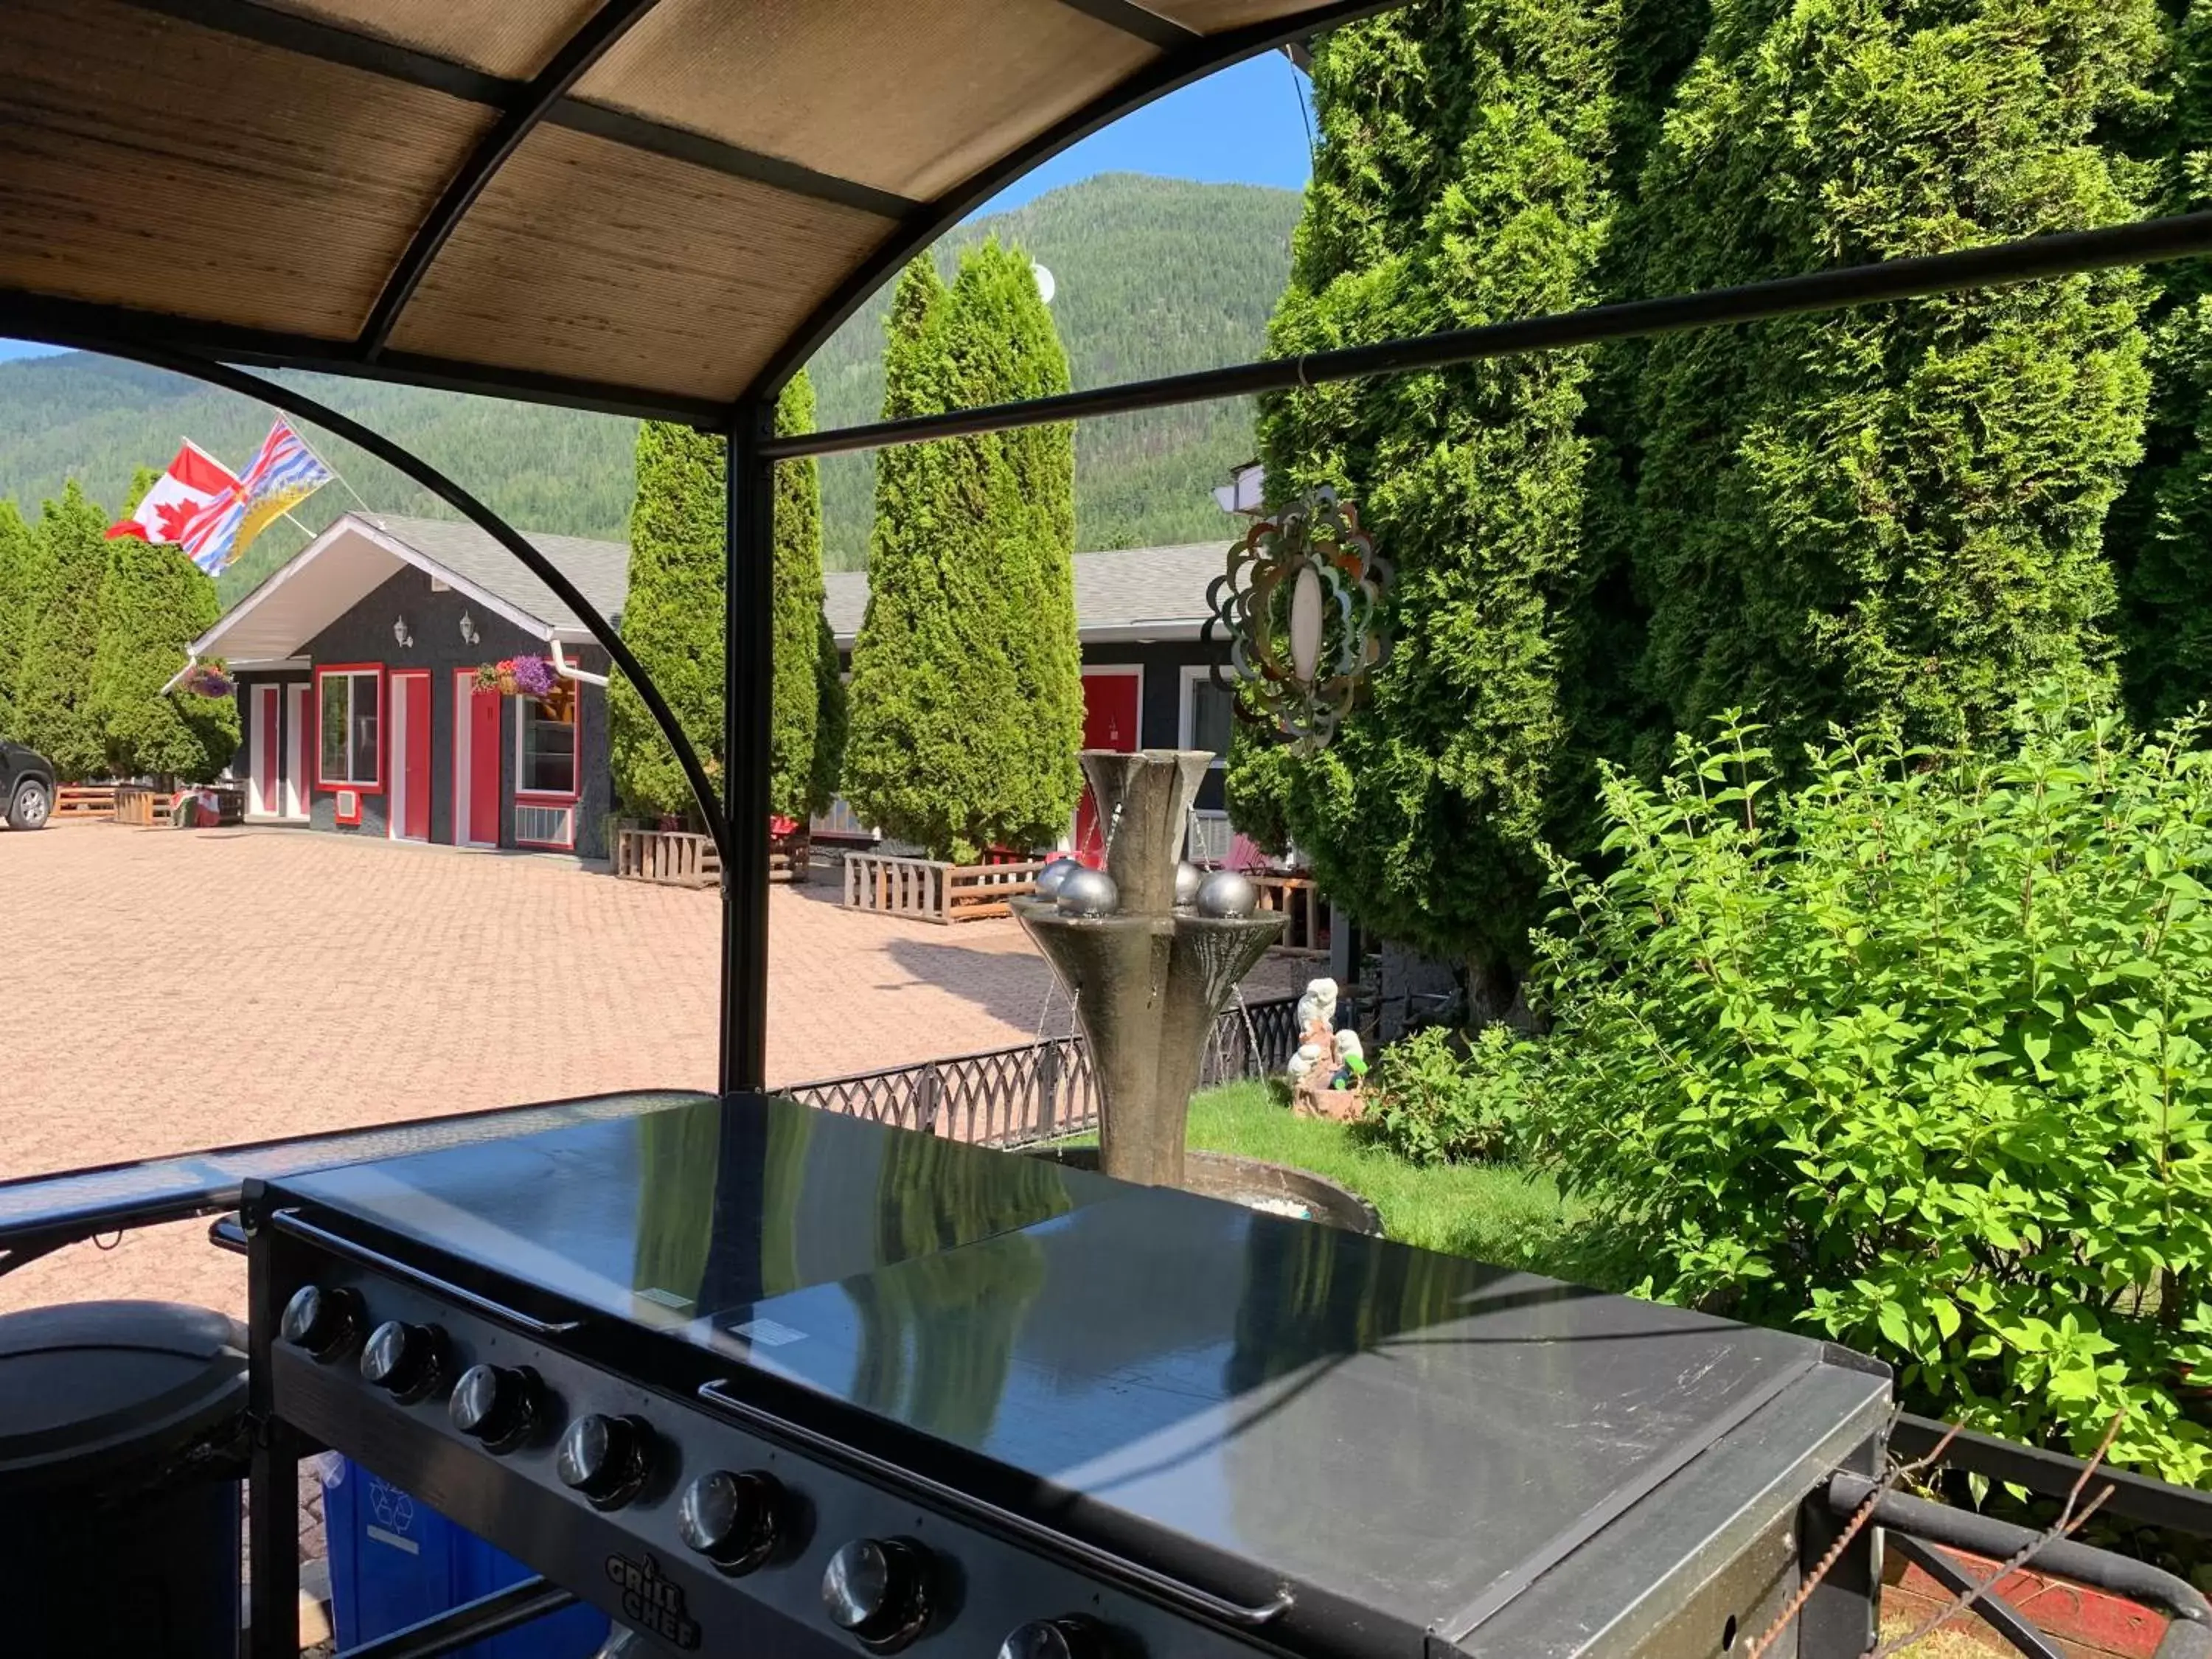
349 701
548 740
1208 713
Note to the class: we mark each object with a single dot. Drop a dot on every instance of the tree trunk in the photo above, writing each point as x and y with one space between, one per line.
1494 993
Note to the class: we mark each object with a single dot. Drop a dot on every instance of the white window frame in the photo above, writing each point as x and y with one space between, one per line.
372 782
1194 674
549 797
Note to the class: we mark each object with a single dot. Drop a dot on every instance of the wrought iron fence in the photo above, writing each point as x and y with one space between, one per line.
1040 1091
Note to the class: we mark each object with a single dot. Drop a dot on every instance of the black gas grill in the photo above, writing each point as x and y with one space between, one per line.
758 1380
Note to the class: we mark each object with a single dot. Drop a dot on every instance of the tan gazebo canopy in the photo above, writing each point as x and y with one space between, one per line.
654 207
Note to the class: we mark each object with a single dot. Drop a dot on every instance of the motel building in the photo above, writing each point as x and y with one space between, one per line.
359 712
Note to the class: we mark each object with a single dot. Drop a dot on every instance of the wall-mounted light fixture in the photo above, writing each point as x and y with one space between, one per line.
399 631
468 634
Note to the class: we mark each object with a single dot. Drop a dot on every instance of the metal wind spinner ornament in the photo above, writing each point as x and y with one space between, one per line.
1302 603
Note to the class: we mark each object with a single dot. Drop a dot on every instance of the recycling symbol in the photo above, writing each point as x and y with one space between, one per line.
394 1508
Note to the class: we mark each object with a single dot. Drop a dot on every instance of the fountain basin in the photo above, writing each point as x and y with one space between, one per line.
1276 1189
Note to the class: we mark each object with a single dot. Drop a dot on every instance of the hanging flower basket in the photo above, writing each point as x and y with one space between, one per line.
207 680
517 677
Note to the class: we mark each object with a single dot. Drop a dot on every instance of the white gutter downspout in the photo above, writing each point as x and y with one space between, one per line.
563 667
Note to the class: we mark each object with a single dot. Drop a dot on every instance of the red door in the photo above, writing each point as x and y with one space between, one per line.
264 751
414 691
483 767
1110 721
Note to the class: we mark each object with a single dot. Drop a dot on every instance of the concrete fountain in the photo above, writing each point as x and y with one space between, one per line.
1150 952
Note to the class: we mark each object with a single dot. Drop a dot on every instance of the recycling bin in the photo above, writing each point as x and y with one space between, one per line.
395 1561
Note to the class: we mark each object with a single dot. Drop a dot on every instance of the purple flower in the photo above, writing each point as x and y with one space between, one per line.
533 676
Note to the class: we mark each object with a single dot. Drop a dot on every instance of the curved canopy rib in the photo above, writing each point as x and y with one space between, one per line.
547 88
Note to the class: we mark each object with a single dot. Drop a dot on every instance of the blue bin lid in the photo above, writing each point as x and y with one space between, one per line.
118 1387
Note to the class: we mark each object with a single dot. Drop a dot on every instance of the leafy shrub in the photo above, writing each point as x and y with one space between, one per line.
1434 1103
1914 1056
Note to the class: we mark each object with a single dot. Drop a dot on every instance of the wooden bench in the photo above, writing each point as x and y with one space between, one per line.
790 855
672 858
84 803
1299 899
142 807
140 804
931 889
680 858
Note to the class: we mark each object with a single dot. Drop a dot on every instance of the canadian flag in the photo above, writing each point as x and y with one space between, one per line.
194 479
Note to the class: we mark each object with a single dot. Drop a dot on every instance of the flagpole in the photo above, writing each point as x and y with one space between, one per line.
326 466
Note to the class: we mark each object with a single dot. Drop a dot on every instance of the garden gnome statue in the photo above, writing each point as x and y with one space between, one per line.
1326 1070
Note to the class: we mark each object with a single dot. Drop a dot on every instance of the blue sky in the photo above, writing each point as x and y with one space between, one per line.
1242 126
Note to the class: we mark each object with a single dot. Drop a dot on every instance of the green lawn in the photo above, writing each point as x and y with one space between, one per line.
1495 1211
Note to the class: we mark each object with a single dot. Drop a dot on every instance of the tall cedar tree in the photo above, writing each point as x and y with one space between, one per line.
21 564
2159 536
54 692
967 696
1607 710
1460 181
1891 512
809 725
154 602
672 618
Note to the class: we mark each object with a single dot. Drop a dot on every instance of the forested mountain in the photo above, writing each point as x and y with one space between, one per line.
1155 276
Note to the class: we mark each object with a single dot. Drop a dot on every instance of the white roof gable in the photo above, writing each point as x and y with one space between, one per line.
338 570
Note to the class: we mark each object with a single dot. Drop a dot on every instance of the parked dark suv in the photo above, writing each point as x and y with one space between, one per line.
26 788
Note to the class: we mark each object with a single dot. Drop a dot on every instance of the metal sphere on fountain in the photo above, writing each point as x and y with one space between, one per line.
1050 878
1188 876
1225 893
1085 892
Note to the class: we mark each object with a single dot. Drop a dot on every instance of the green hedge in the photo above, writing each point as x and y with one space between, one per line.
1913 1056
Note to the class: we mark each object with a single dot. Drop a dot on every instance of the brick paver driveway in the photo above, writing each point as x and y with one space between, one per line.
161 991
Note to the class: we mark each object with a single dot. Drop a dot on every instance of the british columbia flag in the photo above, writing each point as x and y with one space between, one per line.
285 473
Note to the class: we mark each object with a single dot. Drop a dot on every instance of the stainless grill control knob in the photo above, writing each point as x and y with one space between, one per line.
406 1361
1056 1638
606 1458
495 1404
879 1589
323 1324
735 1521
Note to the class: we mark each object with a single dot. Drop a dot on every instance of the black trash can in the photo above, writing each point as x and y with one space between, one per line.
121 1447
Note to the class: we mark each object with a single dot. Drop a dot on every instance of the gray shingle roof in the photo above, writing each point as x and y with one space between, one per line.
599 569
1128 592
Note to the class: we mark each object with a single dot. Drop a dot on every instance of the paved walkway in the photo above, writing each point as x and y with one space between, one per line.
164 990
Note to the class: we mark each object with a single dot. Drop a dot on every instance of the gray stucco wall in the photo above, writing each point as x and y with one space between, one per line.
364 634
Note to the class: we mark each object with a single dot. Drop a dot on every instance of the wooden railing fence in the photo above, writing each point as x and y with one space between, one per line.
930 890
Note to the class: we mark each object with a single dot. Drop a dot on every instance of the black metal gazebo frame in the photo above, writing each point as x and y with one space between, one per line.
45 1213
